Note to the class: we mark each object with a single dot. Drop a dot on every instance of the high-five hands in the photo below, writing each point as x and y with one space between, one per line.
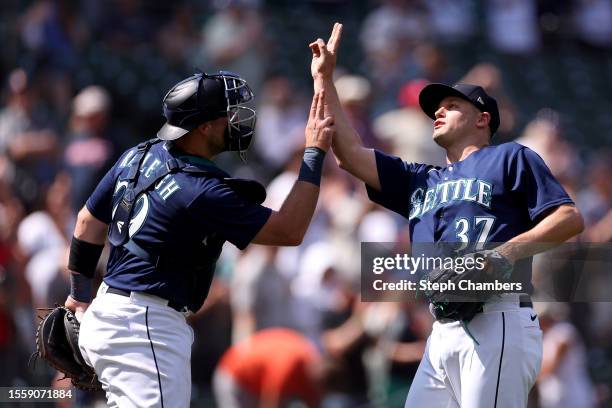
324 55
319 129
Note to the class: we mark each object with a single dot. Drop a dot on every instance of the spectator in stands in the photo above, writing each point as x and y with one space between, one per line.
26 140
593 22
178 39
355 97
89 152
280 122
388 37
396 23
272 368
53 33
233 39
401 330
260 292
408 130
564 380
126 24
12 347
512 26
318 291
595 200
42 236
453 21
345 342
490 77
543 135
431 63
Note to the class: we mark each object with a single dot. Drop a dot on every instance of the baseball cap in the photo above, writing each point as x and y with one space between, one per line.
91 100
190 103
409 93
431 96
353 88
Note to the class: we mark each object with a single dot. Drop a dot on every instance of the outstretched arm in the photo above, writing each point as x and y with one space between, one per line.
288 225
350 153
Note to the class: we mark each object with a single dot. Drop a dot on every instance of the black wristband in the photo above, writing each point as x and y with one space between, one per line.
84 257
312 166
80 287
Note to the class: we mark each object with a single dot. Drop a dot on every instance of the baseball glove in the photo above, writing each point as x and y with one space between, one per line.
456 304
57 342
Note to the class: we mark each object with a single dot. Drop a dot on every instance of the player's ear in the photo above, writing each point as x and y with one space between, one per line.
483 120
204 128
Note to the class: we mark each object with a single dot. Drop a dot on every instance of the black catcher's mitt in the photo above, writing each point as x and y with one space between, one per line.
461 305
57 342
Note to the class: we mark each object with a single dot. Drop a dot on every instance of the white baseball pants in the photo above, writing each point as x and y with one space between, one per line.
497 373
140 348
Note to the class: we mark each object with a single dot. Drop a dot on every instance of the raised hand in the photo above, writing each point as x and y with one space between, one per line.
319 129
324 55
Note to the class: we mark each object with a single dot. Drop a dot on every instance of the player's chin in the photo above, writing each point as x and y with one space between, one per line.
438 137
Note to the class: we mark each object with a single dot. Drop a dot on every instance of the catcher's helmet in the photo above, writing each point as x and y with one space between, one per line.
203 97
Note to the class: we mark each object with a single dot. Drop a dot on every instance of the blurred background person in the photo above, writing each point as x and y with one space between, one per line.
524 38
42 237
564 379
89 151
407 130
27 140
272 368
281 117
233 39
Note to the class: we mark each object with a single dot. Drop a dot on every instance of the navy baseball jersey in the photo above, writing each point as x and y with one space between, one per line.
182 211
493 195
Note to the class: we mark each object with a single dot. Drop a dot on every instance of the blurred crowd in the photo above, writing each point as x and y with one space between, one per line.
84 80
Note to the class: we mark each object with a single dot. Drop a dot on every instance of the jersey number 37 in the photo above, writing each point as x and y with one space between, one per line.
478 230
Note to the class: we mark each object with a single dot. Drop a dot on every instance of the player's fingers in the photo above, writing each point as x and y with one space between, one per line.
314 47
332 35
313 106
334 40
327 122
321 44
320 106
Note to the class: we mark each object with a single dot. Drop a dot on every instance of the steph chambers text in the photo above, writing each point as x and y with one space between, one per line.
464 285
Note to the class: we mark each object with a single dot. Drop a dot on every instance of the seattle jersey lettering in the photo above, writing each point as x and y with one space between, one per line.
466 189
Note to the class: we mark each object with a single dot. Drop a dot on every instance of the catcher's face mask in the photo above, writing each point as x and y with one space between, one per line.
240 118
203 97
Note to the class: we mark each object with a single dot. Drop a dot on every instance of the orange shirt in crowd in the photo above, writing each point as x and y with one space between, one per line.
274 364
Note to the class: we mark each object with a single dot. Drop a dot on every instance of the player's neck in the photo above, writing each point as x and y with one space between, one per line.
459 153
190 146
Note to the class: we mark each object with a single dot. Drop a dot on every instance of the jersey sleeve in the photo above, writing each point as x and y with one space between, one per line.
100 202
222 210
395 176
530 176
